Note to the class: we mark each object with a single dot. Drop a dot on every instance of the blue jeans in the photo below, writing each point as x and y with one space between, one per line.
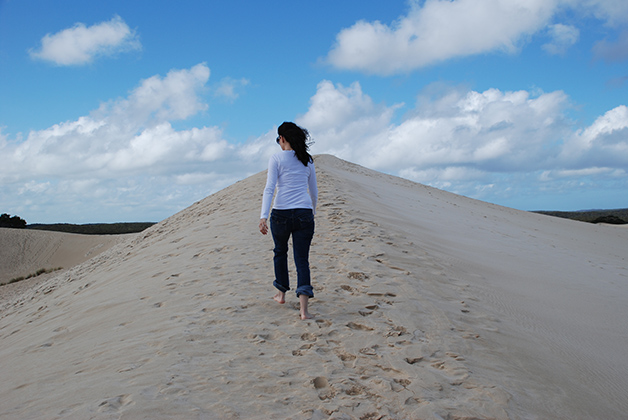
300 224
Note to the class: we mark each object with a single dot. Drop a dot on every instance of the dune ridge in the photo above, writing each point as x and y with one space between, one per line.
428 306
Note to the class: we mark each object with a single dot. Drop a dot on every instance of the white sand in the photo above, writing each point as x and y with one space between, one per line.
428 306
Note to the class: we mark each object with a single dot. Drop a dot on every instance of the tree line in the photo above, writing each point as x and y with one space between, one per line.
16 222
614 217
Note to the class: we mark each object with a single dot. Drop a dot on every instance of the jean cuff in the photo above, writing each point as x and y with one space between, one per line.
305 290
280 287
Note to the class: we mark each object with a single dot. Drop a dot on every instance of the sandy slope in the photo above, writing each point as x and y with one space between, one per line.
24 251
428 305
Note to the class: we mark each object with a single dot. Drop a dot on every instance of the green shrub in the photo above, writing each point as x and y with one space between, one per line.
35 274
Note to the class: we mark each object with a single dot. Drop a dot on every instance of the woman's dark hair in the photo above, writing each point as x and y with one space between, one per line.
299 140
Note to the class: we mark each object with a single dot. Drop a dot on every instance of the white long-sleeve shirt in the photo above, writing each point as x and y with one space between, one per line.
295 182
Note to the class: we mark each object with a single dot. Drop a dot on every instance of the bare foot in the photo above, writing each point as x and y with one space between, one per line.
280 297
303 300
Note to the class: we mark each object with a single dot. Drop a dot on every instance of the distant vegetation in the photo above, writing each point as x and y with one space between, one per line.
94 228
16 222
614 217
35 274
12 222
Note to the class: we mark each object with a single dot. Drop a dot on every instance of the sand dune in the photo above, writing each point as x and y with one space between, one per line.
24 251
428 306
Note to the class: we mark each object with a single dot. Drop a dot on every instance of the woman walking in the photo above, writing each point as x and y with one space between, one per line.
292 172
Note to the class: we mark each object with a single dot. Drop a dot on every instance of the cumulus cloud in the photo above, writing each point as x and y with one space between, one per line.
338 113
437 31
603 144
126 156
80 45
490 130
473 143
124 136
157 99
131 134
562 37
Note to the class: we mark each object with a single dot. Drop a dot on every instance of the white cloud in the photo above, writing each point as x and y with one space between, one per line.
126 136
490 130
579 173
614 12
161 149
230 88
197 178
34 187
126 155
444 176
437 31
157 99
603 144
79 44
562 37
339 113
478 144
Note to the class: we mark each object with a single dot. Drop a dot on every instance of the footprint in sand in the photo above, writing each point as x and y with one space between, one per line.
368 310
348 289
396 331
370 351
465 307
321 384
323 323
343 355
357 275
115 403
378 294
403 382
356 326
454 356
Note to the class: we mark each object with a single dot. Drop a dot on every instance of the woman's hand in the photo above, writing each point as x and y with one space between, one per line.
263 226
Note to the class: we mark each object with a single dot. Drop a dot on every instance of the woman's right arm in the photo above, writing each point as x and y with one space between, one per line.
269 190
263 226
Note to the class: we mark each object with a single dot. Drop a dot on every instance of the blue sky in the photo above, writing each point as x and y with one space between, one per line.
133 110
